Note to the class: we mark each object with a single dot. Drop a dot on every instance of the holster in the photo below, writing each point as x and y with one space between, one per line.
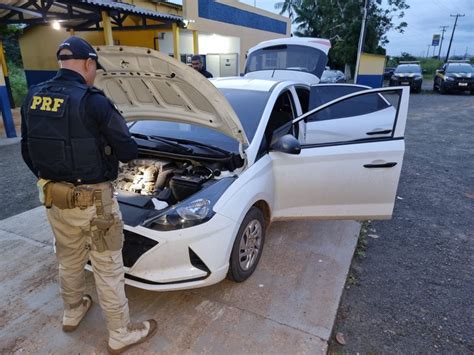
103 237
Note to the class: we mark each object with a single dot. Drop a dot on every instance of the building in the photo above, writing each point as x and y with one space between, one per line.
220 30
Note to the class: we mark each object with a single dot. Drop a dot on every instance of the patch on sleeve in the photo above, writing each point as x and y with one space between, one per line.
53 105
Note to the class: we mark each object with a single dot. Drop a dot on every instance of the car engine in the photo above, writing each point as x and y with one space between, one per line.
165 180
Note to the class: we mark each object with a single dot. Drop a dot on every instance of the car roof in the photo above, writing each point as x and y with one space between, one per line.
245 83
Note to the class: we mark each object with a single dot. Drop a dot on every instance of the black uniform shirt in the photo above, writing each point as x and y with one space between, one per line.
100 117
206 73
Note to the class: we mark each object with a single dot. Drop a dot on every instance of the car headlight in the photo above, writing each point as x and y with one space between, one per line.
448 78
417 77
190 214
193 211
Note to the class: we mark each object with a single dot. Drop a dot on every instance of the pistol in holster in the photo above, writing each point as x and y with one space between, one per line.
101 224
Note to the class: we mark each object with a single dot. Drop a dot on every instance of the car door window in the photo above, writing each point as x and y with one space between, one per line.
283 113
357 106
363 116
303 97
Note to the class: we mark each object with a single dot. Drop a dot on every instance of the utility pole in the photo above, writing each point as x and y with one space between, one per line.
452 34
361 41
428 51
443 30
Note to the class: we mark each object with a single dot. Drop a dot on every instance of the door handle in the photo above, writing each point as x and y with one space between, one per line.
384 165
387 131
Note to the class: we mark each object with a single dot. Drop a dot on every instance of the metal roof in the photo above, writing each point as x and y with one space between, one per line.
129 8
78 14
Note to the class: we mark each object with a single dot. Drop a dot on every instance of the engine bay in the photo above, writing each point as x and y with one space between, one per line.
163 180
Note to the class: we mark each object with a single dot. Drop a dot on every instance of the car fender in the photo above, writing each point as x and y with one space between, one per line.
253 185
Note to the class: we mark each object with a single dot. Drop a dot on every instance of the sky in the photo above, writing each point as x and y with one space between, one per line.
424 18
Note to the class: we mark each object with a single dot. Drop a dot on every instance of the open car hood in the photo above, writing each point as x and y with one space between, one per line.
147 85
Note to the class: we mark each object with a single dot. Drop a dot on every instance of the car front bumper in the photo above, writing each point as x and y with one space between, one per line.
414 84
454 85
180 259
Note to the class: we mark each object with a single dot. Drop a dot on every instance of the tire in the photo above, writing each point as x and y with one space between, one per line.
442 90
435 88
472 92
241 265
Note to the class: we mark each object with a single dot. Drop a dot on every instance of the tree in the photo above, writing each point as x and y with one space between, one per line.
288 6
340 21
9 35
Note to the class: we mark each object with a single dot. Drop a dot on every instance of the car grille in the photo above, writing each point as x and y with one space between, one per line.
464 80
134 246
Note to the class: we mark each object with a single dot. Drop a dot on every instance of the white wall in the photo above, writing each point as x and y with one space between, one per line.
208 43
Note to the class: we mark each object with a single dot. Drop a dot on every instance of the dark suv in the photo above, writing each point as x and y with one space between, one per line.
454 76
408 73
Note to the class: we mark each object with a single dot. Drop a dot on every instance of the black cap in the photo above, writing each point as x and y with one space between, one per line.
80 48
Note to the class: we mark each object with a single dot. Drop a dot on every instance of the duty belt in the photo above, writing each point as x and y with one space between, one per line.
65 195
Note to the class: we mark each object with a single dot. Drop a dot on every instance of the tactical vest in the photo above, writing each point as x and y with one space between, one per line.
60 145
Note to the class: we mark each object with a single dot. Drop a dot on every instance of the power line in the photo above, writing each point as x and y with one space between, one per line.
452 34
443 29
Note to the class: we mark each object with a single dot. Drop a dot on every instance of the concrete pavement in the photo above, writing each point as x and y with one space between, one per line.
288 306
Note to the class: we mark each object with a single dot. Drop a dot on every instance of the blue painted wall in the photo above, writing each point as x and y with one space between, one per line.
212 10
375 81
6 112
34 77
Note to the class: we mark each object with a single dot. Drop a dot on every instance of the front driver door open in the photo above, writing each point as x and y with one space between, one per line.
347 177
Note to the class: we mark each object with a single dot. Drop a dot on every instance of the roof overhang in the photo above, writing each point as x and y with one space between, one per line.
83 15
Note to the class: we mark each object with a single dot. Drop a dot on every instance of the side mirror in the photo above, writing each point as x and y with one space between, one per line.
286 144
424 71
440 71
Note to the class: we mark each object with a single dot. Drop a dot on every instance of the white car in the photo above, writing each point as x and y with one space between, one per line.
300 59
219 161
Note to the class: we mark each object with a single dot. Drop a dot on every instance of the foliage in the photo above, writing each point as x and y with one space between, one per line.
288 6
17 82
9 35
429 65
340 21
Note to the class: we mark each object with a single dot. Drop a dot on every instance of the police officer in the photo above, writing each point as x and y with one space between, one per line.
196 63
72 140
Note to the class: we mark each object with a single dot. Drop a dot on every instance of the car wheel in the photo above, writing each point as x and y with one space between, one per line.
248 246
472 92
442 90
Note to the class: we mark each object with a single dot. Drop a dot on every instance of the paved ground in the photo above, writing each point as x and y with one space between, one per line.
287 306
17 183
413 292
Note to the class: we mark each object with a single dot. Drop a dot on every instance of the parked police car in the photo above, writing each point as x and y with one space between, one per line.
408 73
454 76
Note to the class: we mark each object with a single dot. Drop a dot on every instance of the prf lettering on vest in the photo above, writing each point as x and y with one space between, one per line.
44 103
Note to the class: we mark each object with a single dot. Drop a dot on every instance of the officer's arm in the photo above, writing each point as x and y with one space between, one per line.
24 138
112 126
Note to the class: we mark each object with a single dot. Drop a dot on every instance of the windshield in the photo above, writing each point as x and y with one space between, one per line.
408 69
247 104
289 57
459 68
